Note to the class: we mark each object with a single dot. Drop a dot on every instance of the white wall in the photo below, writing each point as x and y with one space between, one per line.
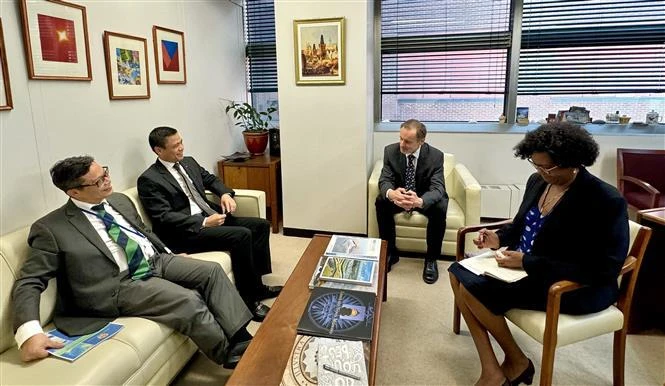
52 120
490 157
326 131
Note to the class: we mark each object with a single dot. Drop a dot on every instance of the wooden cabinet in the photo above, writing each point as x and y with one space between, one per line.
260 173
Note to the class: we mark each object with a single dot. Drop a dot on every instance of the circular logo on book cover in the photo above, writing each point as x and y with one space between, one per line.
337 313
302 367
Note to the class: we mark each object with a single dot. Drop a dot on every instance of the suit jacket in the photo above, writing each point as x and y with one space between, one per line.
63 244
430 185
584 238
167 204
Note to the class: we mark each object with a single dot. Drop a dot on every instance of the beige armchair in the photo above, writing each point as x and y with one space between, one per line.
463 209
554 330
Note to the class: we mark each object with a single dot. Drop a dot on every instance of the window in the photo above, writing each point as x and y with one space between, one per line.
444 61
605 55
261 55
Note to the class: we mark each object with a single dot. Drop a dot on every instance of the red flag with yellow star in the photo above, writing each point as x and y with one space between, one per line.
58 39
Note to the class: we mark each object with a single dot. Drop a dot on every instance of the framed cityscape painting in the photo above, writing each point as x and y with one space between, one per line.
55 35
319 51
126 66
5 90
169 55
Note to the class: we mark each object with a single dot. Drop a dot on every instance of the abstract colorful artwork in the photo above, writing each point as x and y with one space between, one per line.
55 34
169 55
319 51
126 66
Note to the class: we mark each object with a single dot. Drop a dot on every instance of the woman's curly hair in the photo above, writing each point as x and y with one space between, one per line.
569 145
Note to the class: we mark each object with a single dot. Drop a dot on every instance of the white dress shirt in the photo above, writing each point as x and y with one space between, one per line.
193 206
32 327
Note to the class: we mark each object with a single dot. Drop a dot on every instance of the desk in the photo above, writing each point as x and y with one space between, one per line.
648 308
262 172
266 357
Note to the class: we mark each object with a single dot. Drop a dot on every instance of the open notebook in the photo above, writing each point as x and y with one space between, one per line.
485 264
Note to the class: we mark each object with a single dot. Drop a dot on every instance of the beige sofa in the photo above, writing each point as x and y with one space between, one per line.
463 209
143 352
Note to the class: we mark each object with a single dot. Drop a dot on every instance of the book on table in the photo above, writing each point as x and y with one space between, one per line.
315 282
351 246
341 314
341 362
75 346
485 264
348 270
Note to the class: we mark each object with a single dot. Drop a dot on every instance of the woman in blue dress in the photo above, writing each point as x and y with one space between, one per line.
571 225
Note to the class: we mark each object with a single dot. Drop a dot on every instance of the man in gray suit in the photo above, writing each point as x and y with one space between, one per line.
108 264
412 179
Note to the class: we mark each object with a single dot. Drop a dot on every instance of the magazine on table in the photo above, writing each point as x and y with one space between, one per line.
485 264
351 246
341 362
348 270
75 346
315 282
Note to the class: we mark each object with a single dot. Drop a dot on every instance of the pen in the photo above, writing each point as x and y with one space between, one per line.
340 372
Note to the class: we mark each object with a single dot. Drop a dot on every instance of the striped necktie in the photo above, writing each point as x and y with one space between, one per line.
139 268
194 193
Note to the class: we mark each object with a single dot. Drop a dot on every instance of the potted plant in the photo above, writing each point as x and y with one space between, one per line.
255 125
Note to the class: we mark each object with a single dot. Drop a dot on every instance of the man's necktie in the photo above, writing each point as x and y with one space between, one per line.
195 193
139 268
410 181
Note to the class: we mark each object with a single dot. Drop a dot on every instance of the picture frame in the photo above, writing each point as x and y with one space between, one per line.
170 64
5 89
55 36
127 73
319 51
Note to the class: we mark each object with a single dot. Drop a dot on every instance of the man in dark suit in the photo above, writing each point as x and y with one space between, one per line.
108 264
412 179
172 191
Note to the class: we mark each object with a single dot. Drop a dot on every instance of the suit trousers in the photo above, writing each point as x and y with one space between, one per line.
436 224
193 297
248 240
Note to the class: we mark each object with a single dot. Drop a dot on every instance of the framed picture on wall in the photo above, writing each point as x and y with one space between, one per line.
126 66
5 90
169 55
55 35
319 51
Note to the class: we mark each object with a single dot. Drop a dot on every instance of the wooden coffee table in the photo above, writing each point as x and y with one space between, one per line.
265 359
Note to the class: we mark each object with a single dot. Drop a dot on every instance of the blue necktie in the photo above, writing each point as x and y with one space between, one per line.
410 181
139 268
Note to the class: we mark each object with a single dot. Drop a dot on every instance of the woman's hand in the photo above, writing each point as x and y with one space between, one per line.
509 259
487 239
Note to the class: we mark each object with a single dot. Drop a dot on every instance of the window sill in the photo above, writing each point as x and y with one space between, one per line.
499 128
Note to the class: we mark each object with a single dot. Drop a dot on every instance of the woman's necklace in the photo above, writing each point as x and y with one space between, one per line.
548 203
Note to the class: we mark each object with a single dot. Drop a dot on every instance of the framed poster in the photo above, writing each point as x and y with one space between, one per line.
169 55
55 34
5 90
126 66
319 51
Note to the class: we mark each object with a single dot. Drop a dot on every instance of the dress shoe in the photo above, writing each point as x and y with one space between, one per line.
234 354
268 292
430 271
259 311
526 377
392 260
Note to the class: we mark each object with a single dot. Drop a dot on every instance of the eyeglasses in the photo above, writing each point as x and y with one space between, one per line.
540 168
100 181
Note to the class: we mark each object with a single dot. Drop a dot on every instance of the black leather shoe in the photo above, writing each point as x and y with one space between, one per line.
392 260
430 271
526 377
268 292
234 354
259 311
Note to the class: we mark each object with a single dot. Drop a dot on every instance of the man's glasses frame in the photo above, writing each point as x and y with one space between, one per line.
547 171
100 181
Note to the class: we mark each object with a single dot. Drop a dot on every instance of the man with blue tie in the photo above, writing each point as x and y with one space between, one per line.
108 264
412 180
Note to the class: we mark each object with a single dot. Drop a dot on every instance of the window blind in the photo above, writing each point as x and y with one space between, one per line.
444 47
592 47
261 55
